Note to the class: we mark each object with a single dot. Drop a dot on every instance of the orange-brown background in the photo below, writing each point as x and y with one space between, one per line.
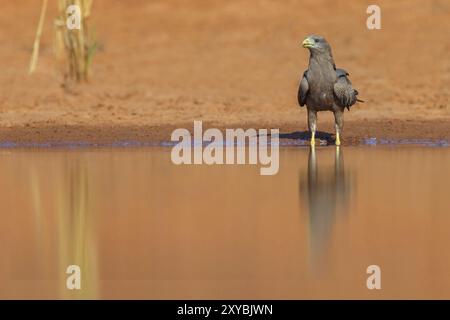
162 64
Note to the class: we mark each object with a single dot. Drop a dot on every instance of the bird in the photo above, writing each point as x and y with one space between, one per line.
323 87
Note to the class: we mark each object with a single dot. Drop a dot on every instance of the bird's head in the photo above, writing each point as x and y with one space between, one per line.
316 45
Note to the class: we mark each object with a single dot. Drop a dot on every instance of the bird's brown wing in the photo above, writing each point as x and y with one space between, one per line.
303 90
343 90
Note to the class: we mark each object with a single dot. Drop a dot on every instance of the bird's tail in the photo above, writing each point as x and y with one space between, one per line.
356 93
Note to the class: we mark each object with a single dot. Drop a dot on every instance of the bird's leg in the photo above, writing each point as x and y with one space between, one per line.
312 120
339 124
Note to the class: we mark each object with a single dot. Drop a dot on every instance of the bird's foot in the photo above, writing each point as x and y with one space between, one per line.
313 139
338 140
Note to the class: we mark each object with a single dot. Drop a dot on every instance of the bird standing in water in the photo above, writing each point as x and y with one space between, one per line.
323 87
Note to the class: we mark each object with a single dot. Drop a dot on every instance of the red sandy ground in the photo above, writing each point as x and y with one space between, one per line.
163 64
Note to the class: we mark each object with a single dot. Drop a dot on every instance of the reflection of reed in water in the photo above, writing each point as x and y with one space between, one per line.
75 225
326 194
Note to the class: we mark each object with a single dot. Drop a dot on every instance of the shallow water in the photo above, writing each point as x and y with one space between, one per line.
141 227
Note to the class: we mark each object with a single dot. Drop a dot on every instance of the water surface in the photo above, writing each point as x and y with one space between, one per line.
141 227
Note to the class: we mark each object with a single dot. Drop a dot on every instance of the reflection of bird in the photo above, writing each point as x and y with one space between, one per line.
323 87
326 194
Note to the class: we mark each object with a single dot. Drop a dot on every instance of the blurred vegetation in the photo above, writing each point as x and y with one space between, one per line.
74 48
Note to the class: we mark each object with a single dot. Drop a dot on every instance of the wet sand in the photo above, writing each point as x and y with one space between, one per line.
357 132
164 64
141 227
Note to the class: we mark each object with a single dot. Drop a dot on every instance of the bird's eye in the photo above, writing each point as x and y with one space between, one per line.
317 40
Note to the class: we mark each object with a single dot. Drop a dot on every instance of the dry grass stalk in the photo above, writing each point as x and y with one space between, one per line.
37 40
75 47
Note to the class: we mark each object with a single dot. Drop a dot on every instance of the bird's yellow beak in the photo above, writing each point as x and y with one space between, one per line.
308 43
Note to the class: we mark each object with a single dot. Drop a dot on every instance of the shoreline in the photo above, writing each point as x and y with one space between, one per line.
357 132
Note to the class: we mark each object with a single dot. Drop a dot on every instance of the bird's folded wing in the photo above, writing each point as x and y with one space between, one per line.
303 90
343 89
